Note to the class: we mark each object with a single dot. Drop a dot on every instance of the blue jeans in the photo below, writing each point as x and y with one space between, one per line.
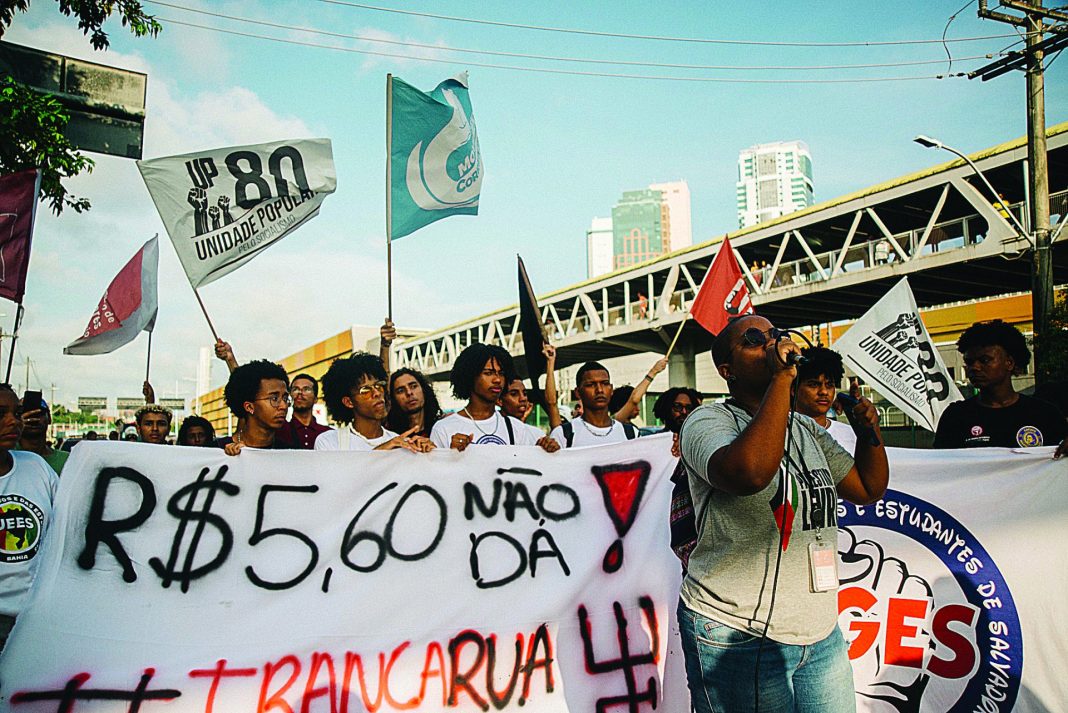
721 664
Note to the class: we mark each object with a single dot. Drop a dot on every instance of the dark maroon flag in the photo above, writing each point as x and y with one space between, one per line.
18 203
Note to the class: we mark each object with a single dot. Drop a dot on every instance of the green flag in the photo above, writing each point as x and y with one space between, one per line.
435 164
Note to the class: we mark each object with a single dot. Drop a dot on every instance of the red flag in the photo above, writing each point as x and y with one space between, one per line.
18 203
127 308
724 294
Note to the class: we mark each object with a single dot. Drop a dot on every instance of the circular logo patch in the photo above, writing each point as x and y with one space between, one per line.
20 528
977 430
490 439
929 618
1029 437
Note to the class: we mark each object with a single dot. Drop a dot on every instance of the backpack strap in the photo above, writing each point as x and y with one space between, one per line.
508 426
569 433
630 431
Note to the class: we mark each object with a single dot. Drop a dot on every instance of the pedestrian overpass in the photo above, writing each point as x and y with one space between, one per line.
940 227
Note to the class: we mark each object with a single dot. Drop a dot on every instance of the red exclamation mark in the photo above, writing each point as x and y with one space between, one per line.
622 486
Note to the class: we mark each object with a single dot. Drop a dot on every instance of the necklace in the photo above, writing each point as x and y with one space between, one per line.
496 422
599 435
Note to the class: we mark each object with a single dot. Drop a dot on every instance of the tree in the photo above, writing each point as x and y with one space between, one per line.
1054 344
32 123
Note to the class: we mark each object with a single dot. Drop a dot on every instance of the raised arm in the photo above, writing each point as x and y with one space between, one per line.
224 351
550 386
386 333
639 391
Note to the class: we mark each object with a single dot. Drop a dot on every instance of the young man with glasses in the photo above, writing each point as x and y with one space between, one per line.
758 610
479 375
258 395
301 430
354 390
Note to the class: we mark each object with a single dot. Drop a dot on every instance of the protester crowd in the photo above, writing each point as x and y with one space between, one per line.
777 439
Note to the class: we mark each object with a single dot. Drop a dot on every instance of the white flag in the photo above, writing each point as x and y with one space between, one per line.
890 348
222 207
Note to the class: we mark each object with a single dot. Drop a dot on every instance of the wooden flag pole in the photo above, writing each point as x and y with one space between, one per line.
677 334
148 357
389 196
205 311
14 338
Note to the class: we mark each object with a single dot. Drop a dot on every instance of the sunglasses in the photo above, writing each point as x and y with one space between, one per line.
754 337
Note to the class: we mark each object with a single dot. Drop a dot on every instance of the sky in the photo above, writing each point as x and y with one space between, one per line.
558 149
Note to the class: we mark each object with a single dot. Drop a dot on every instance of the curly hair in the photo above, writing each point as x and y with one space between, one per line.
996 333
821 362
662 407
472 361
190 423
342 378
245 381
396 419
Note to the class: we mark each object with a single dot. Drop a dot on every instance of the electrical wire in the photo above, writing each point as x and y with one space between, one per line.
546 70
945 30
657 38
577 60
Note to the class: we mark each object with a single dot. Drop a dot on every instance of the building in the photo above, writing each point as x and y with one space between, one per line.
773 180
676 194
599 248
641 228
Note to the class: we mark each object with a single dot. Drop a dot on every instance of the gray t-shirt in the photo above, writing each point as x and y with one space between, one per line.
732 568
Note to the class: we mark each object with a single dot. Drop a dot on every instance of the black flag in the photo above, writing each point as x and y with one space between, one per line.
533 331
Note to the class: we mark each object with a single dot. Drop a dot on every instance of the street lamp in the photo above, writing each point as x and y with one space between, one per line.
928 142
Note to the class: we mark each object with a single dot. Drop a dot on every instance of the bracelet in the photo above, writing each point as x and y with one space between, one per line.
649 378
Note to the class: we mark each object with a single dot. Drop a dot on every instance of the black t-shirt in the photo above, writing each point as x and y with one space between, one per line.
275 446
1028 422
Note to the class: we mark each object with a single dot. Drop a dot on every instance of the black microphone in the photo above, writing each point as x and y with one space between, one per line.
796 359
866 431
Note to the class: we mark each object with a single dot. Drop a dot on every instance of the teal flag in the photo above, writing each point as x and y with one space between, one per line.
434 158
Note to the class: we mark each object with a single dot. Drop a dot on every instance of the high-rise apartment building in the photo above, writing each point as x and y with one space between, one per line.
599 248
676 194
641 228
773 180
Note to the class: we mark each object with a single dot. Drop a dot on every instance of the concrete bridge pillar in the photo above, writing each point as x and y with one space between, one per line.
682 367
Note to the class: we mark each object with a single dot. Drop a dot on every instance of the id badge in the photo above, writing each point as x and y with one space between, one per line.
823 563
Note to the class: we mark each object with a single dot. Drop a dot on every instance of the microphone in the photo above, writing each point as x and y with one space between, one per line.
795 359
862 431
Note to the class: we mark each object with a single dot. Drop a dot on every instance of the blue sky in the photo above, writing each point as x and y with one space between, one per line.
557 150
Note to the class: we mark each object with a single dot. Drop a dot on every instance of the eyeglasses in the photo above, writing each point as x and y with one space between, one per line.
302 390
367 389
679 407
276 400
754 337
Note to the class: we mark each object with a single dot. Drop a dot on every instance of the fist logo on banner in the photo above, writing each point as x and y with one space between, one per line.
223 207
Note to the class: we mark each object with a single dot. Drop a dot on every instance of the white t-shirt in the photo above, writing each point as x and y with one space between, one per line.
491 431
587 435
843 433
330 440
26 495
536 432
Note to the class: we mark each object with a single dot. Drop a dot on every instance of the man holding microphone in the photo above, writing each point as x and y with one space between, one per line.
758 609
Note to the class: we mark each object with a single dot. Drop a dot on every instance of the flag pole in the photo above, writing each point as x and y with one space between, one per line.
677 334
389 196
205 311
14 338
148 357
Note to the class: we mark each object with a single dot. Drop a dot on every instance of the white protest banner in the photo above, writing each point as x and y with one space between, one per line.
181 579
890 348
952 587
222 207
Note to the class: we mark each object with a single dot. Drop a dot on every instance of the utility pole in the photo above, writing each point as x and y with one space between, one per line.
1032 20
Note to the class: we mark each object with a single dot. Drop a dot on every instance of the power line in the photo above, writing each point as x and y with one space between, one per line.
578 60
546 70
657 38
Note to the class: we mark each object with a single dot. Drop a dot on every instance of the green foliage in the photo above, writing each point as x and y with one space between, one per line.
31 134
91 16
1053 346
